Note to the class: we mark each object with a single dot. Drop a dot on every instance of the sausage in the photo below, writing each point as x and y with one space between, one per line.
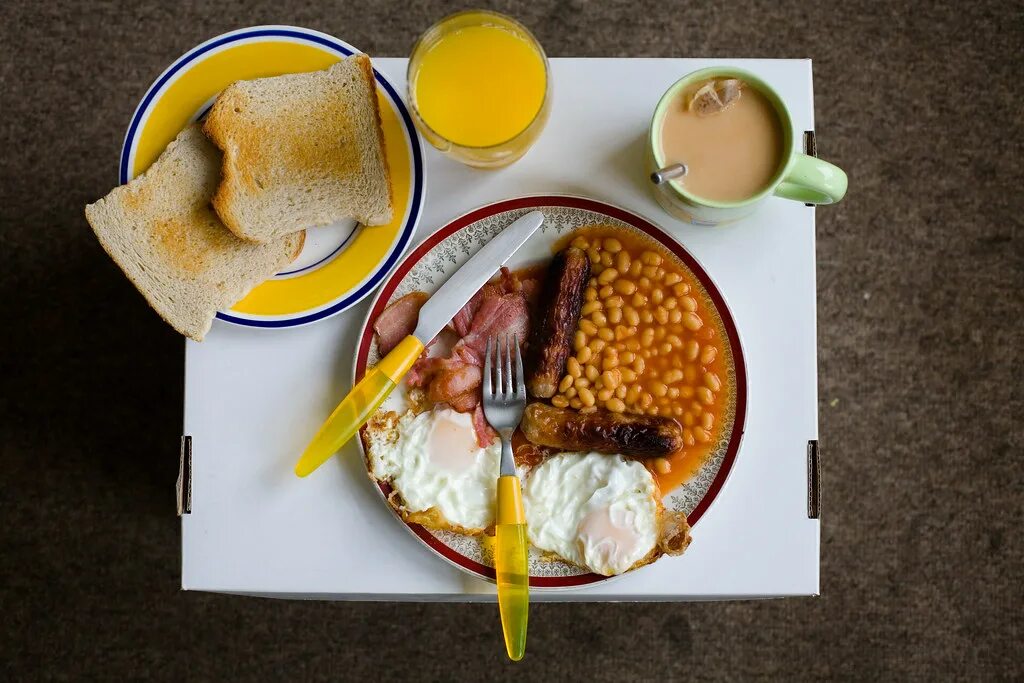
640 436
551 342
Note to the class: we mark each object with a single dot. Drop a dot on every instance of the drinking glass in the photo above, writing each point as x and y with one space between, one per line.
475 99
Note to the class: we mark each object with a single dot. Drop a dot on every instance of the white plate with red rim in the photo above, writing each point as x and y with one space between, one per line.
442 253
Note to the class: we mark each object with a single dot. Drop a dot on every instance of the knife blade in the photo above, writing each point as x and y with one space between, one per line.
366 396
440 308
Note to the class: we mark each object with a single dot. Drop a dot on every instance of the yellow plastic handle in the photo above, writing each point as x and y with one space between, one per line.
510 566
356 408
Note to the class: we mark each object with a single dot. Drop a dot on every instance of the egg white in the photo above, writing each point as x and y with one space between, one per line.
434 463
597 511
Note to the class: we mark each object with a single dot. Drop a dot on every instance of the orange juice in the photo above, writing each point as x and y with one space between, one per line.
480 86
478 83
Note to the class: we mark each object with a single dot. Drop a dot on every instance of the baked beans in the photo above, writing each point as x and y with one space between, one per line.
641 345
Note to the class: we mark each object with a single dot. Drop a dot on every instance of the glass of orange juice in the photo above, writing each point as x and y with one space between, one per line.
479 88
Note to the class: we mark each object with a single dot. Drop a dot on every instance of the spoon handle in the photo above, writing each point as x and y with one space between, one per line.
668 173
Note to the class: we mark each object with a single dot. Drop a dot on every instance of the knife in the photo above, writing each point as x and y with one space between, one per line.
356 408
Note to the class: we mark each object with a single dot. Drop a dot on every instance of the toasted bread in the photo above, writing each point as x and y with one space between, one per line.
161 231
301 150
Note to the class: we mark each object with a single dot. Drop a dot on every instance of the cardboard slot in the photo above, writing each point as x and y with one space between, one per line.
810 147
813 481
810 143
183 487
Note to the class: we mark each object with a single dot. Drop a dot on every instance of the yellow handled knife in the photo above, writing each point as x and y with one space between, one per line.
356 408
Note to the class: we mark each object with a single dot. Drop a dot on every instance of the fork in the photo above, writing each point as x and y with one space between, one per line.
504 401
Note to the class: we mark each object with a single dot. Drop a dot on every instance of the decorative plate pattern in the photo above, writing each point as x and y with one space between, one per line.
433 261
340 264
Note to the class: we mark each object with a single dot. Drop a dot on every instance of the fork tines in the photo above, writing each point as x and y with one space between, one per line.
501 384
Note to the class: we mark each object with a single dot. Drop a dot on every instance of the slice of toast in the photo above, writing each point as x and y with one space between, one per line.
161 231
301 150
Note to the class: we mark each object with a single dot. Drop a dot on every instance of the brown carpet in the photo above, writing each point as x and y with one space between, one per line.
921 272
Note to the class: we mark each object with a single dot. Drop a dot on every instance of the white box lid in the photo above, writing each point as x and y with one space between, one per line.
253 397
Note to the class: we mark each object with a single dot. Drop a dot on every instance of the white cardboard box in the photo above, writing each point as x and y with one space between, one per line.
253 398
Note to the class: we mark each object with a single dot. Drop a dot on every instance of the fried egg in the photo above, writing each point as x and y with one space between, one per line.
601 512
440 476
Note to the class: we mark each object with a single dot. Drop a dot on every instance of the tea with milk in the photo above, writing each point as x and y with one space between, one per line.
729 137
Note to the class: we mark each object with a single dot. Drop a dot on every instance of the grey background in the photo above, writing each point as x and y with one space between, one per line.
920 335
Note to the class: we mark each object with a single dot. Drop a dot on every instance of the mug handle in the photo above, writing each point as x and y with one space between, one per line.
812 181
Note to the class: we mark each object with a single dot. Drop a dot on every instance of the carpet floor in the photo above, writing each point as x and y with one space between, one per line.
920 308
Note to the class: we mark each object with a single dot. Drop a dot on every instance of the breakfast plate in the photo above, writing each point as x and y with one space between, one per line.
695 482
339 264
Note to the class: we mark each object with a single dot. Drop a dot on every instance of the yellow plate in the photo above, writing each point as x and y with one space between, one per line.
339 264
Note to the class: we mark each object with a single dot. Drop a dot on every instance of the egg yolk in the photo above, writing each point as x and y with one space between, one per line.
452 446
608 536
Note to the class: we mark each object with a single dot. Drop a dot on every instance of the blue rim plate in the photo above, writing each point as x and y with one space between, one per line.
331 246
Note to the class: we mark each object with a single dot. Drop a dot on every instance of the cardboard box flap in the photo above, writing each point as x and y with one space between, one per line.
183 487
810 147
813 479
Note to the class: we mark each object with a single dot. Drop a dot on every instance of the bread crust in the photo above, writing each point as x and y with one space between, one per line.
217 130
172 247
146 295
300 242
250 190
367 67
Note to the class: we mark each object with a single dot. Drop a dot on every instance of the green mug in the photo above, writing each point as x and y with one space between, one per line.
800 177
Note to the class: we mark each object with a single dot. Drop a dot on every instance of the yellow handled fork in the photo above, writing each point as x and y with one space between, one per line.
504 400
